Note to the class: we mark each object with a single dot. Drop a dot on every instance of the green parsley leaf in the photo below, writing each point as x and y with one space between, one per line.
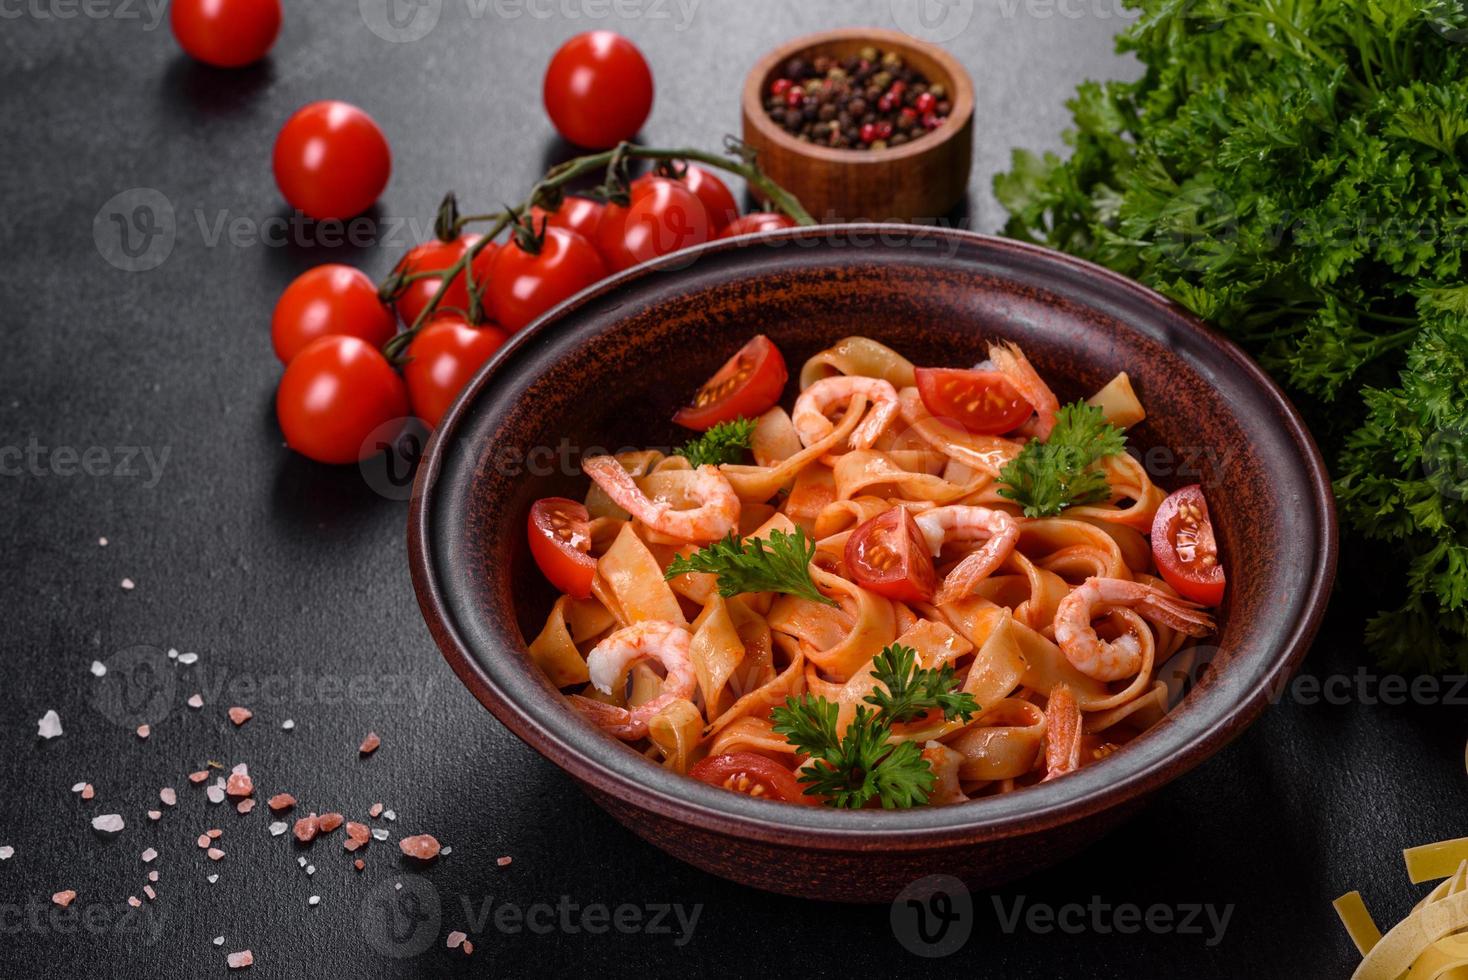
859 767
908 691
1047 477
752 566
726 442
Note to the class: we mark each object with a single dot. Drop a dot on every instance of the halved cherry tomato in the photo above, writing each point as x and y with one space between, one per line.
578 214
331 160
983 402
752 775
1185 549
442 358
662 216
560 541
714 194
757 221
522 285
329 299
746 386
889 556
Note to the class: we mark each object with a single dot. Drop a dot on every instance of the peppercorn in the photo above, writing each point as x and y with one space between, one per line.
872 99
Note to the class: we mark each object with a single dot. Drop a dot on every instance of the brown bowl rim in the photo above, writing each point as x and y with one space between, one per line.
1036 809
956 124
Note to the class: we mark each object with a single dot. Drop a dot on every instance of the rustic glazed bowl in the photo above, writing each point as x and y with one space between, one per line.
607 370
922 179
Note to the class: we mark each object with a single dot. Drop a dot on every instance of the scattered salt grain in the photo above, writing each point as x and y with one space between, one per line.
219 940
144 731
314 900
245 806
49 726
78 787
134 901
240 715
150 855
240 769
301 860
215 794
215 833
172 653
155 815
330 821
278 828
152 876
376 810
468 948
306 829
99 669
424 847
240 784
198 777
359 864
379 835
167 795
446 851
215 854
288 724
128 585
310 869
65 898
6 853
456 939
203 841
88 792
369 744
504 862
148 890
390 814
188 658
212 879
196 702
101 542
108 823
281 801
240 960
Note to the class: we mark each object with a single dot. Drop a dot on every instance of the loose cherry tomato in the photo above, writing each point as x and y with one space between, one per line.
747 385
755 222
1185 549
522 286
752 775
598 90
888 555
335 393
329 299
439 256
225 33
442 358
331 160
661 217
578 214
983 402
560 541
712 192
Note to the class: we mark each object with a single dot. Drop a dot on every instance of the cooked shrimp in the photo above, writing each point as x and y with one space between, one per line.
1011 362
1113 660
1062 733
812 424
958 523
716 514
609 661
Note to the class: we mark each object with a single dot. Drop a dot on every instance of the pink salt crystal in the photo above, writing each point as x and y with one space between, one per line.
167 795
240 960
49 726
424 847
239 784
306 829
88 792
134 901
456 939
108 823
198 777
196 701
245 806
65 898
155 815
149 856
144 731
215 833
376 810
215 854
330 821
152 876
359 864
468 948
240 715
203 841
504 861
369 744
282 801
148 890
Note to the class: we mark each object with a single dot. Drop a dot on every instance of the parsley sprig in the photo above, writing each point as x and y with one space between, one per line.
752 566
863 764
1047 477
726 442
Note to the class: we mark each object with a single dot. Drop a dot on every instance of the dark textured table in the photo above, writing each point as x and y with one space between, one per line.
137 405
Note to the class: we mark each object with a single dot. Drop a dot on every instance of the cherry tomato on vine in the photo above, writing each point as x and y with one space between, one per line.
712 192
888 555
753 775
329 299
578 214
436 255
661 217
336 393
560 541
331 160
746 386
1185 548
757 221
598 90
225 33
442 358
983 402
523 285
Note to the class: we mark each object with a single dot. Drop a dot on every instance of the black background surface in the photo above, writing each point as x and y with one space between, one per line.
290 579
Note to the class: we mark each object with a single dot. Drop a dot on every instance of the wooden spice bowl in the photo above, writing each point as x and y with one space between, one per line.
925 178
